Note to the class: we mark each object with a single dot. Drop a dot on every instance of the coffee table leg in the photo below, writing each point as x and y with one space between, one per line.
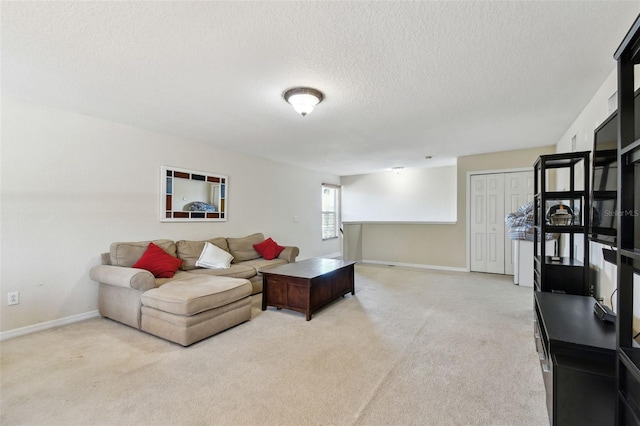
353 279
309 284
264 292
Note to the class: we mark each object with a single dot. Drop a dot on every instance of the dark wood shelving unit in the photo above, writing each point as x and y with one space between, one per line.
628 351
562 274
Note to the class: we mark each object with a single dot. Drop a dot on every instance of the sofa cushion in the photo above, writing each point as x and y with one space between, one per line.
260 263
158 262
214 257
268 249
196 294
237 270
190 251
178 276
242 248
127 253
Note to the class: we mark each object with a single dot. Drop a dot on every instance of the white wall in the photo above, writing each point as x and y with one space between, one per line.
72 184
415 195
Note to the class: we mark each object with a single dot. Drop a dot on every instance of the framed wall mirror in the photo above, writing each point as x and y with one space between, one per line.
190 195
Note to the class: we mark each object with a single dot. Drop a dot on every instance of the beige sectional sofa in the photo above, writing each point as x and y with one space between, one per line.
196 302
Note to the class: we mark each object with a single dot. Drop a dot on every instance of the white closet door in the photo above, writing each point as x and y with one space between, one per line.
478 225
494 195
487 223
518 190
495 223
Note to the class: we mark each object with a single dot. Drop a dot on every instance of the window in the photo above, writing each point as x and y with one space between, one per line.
330 211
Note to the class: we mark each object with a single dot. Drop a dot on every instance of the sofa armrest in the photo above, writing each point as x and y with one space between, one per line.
139 279
289 254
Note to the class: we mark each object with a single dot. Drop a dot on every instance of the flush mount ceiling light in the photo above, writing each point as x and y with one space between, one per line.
397 169
303 99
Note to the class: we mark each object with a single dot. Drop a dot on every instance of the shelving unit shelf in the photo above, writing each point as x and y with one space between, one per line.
563 214
628 350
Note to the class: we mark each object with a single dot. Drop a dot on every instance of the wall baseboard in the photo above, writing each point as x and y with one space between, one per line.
416 265
16 332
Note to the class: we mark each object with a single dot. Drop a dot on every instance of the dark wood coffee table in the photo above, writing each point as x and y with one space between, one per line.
307 285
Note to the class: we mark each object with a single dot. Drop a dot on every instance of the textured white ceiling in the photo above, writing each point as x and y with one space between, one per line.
401 80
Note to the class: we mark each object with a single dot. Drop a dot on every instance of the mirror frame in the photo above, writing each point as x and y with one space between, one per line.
167 176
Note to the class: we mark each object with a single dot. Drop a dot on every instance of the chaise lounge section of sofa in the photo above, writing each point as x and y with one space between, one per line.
196 302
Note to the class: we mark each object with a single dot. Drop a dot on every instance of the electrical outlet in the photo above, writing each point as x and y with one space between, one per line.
13 298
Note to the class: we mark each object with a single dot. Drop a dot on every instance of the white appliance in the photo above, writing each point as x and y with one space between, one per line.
523 261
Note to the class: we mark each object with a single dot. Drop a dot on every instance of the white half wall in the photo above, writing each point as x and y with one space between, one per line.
71 184
414 195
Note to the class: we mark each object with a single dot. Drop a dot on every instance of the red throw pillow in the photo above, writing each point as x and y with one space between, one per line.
268 249
157 261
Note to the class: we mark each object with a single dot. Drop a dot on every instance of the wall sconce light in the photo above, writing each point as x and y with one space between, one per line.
303 99
397 169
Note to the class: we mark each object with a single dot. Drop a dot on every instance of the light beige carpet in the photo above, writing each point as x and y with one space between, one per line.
412 347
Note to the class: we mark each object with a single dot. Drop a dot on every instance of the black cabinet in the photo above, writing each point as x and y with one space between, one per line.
565 215
564 275
577 358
